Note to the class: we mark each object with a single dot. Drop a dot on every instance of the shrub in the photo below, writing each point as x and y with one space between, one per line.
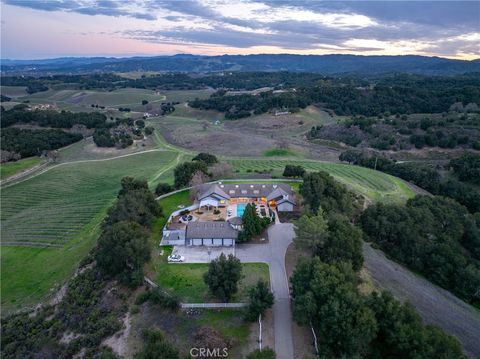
265 353
260 299
163 188
159 297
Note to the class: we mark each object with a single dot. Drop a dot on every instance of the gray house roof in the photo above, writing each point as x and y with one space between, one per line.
212 190
212 229
245 190
235 221
281 196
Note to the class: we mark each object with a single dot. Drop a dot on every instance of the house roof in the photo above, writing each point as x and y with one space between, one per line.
235 221
212 190
280 196
245 190
211 229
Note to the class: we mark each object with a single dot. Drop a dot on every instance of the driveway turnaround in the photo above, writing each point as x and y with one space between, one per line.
201 254
280 236
435 305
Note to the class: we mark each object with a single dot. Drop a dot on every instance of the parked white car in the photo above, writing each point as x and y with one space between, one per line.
176 258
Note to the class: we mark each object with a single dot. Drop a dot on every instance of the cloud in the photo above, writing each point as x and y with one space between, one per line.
422 27
85 7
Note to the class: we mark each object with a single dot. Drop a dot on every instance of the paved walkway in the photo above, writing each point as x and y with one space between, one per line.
280 236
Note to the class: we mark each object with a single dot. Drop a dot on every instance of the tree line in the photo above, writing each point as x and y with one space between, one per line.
20 114
402 132
325 288
434 236
349 95
33 142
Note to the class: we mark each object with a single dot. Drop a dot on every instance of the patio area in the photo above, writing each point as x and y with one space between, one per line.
204 214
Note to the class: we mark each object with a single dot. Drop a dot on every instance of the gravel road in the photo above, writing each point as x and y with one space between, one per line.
435 305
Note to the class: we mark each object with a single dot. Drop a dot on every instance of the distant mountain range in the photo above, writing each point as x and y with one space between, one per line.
325 64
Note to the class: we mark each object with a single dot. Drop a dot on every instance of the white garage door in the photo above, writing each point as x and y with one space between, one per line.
285 207
207 242
227 242
217 242
197 242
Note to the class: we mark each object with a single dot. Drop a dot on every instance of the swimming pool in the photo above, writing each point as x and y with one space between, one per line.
241 209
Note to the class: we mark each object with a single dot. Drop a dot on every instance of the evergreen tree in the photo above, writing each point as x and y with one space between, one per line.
260 299
223 275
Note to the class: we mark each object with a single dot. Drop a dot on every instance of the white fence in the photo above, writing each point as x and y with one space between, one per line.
152 284
213 305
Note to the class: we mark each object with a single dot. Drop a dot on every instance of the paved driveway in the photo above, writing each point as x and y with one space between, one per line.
280 236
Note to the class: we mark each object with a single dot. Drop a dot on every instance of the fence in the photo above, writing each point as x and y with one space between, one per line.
154 285
212 305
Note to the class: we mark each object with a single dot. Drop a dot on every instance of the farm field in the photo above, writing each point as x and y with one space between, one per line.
81 100
375 185
60 209
13 91
10 168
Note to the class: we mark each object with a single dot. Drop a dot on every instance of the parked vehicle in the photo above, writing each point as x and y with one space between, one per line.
176 258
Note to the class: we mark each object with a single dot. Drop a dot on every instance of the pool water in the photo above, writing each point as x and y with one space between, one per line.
240 209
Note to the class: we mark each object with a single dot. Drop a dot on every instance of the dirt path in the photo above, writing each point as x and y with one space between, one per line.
38 173
435 305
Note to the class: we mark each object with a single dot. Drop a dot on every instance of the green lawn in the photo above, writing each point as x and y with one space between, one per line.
61 208
10 168
227 322
375 185
186 280
171 203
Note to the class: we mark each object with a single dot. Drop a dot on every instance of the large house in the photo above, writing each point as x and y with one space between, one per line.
215 218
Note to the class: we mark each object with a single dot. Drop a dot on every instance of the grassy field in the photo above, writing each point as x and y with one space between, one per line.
13 91
10 168
186 280
60 209
186 95
375 185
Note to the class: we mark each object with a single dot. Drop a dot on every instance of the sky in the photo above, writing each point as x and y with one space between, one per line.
35 29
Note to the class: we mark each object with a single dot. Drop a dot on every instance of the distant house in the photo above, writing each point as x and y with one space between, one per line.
215 218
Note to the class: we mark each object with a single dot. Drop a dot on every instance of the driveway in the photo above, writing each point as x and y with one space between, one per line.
273 253
435 305
200 254
280 236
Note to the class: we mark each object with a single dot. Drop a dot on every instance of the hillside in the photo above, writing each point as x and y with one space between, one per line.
325 64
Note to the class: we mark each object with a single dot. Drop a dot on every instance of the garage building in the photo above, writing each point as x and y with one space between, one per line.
212 233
